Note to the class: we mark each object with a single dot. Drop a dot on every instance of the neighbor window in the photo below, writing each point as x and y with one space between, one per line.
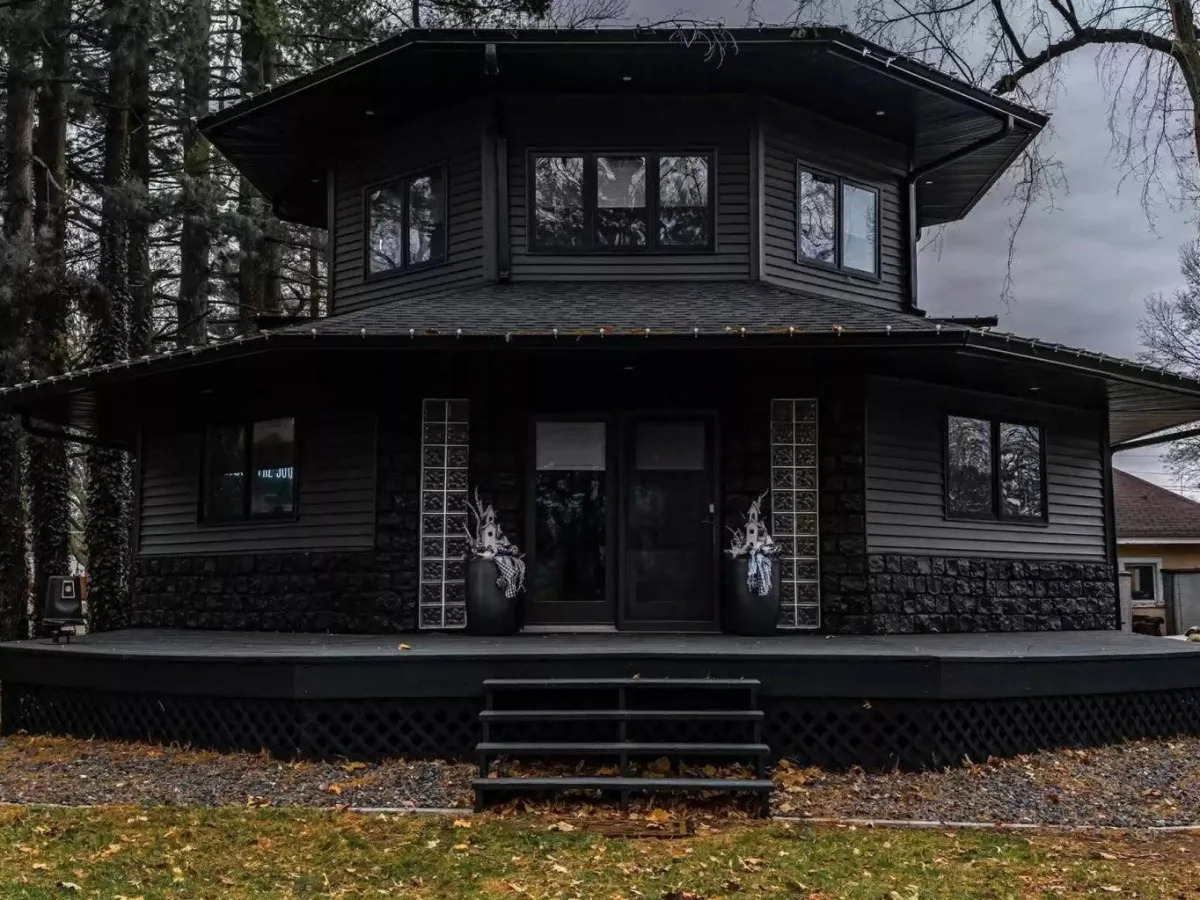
406 222
1143 583
837 222
621 202
994 470
249 471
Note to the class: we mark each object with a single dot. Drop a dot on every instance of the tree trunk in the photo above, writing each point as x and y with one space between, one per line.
107 525
315 291
14 272
194 241
141 287
49 474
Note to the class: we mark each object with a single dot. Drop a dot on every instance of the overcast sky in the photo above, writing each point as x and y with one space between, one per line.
1083 269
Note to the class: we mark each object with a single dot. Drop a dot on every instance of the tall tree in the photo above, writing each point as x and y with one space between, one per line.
49 474
195 245
108 495
16 254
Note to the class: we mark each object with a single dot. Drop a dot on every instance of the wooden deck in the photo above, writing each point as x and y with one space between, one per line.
311 666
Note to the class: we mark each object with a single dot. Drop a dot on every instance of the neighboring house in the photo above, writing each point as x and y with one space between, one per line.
622 284
1158 544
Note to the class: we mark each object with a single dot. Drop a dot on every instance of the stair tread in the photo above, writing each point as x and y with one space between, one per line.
578 747
568 683
616 715
619 783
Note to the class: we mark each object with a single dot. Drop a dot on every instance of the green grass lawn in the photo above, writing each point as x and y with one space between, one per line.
130 852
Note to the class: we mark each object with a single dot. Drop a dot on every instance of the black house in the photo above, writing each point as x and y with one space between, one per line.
621 284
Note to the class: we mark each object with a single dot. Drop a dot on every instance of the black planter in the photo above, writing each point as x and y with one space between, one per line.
745 611
488 610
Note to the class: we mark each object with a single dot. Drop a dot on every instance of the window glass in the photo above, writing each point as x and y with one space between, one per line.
969 466
859 228
426 212
683 201
1020 471
818 218
1142 583
224 473
621 201
386 228
558 202
273 457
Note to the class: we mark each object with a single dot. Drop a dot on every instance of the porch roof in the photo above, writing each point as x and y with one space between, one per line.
1142 400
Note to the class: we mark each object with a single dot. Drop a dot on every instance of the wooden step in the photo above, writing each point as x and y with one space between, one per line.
553 684
614 783
619 715
550 748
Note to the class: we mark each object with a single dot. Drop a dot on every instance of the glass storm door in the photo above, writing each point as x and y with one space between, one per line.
670 535
571 579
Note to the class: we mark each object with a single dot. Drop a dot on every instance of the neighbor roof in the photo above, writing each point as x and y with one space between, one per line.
284 138
1145 510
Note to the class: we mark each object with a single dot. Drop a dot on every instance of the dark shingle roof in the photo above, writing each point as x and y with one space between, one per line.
666 308
1145 510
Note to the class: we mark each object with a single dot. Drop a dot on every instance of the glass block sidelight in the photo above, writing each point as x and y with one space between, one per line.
444 444
794 510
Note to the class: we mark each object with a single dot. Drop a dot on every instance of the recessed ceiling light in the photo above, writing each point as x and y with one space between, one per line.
1035 388
627 78
368 112
880 112
929 181
627 368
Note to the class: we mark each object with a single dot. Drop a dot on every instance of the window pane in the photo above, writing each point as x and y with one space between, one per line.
859 228
570 535
386 226
224 473
426 225
273 456
558 201
1141 582
621 201
683 201
1021 471
818 218
969 466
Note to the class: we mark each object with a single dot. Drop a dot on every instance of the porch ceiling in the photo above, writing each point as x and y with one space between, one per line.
646 316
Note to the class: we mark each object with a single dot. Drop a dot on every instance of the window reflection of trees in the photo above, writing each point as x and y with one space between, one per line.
683 201
570 536
1020 471
558 201
621 201
969 465
818 218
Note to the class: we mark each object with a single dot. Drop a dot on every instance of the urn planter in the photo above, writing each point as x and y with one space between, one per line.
489 612
746 611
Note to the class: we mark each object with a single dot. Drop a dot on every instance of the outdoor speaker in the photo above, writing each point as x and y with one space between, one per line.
64 601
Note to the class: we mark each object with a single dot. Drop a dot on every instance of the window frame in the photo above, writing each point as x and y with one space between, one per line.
997 511
653 184
405 179
1155 563
247 517
838 265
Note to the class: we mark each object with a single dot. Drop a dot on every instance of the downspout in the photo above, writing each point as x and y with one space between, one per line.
61 434
914 229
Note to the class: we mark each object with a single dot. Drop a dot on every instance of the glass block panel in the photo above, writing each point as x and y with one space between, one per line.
794 503
445 442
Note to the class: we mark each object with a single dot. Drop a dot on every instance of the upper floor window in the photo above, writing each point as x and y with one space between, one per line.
622 202
406 222
995 470
249 471
837 222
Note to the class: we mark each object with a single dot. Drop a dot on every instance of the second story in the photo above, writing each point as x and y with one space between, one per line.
805 158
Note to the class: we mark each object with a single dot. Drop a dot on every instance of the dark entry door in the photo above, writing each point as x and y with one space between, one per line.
669 558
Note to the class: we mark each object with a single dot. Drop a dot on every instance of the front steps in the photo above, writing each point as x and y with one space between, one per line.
620 720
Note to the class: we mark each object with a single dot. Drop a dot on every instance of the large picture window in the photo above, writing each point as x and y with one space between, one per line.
837 222
621 202
406 223
249 471
995 470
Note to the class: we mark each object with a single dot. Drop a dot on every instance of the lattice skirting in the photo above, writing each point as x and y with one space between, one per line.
835 733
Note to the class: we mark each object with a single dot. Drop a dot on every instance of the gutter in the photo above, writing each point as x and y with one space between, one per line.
1155 440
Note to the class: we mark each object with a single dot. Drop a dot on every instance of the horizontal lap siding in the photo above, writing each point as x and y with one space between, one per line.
335 493
654 124
790 139
905 493
452 139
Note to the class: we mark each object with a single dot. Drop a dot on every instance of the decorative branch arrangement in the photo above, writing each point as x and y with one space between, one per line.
488 541
754 542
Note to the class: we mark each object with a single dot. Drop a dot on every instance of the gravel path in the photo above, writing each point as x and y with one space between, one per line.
1128 785
1144 783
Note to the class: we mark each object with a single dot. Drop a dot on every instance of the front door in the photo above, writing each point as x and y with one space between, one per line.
669 547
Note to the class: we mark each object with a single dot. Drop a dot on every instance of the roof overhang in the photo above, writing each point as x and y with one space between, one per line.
271 138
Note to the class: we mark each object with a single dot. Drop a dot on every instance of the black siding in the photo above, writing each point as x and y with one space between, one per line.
336 494
791 137
635 123
452 138
905 503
